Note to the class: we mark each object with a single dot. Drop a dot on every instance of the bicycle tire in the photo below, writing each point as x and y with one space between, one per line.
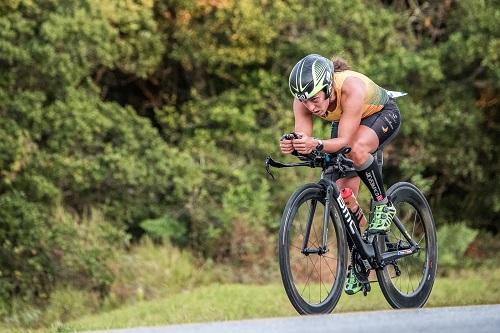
286 251
403 194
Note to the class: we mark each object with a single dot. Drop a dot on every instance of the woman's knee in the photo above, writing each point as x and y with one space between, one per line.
359 153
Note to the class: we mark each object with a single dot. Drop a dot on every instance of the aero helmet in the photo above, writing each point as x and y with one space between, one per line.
310 75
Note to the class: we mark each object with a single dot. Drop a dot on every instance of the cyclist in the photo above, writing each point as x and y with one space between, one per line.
363 117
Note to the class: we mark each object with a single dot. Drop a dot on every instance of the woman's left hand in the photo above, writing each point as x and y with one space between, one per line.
305 145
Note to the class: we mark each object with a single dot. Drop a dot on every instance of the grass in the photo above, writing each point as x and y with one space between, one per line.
238 301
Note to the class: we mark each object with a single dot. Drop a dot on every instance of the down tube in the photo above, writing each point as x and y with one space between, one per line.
353 232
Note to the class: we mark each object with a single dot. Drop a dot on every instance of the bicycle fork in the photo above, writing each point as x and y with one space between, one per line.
322 248
331 193
310 217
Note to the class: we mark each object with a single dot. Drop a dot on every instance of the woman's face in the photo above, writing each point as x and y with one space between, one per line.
317 104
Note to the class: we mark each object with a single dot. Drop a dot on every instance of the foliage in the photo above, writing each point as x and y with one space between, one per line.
453 241
150 271
66 150
68 304
39 254
166 228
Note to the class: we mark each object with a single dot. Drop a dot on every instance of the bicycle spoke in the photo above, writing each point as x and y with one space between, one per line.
326 261
413 229
309 276
320 280
421 238
307 281
410 279
406 279
333 258
295 246
312 270
400 279
299 258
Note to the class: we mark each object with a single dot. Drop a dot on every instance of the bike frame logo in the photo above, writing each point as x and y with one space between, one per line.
346 213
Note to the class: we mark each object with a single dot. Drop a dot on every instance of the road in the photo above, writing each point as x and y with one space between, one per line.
476 319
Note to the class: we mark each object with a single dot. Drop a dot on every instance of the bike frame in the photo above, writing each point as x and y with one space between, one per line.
368 251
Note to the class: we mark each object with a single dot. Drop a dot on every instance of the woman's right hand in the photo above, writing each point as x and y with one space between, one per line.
286 146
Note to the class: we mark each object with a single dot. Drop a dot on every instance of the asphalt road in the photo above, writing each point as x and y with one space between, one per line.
476 319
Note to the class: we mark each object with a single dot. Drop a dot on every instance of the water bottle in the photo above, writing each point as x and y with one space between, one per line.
353 206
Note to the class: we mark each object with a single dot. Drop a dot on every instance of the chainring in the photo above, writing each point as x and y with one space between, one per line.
359 268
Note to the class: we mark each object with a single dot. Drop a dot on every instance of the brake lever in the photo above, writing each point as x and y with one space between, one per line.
268 168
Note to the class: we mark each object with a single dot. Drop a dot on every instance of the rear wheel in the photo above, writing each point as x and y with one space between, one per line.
313 279
407 283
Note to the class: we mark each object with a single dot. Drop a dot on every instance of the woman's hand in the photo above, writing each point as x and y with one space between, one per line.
286 146
305 145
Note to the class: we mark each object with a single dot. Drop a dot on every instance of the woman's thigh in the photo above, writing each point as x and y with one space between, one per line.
385 124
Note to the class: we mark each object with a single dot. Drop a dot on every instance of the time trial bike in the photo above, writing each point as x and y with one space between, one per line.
318 230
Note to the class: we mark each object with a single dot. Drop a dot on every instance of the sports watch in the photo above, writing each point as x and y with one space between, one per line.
320 145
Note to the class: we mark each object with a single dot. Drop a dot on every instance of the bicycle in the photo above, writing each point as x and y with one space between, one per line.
317 227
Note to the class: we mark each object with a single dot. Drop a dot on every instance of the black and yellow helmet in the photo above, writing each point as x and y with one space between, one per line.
310 75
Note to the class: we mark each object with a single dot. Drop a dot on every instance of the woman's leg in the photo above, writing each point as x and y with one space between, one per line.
351 182
365 142
372 132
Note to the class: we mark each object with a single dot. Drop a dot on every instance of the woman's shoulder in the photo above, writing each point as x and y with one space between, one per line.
349 77
352 77
349 72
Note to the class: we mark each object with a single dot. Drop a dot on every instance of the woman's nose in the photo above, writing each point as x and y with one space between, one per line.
309 105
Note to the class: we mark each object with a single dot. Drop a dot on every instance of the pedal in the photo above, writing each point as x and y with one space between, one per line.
366 288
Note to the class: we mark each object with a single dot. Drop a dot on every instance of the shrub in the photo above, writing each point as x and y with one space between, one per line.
68 303
150 271
453 241
166 228
55 246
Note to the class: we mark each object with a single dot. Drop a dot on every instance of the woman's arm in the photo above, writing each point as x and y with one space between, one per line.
303 124
303 118
353 93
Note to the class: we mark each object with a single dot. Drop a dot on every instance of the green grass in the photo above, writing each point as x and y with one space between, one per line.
237 301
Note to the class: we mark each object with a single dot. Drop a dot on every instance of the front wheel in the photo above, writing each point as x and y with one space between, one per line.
407 283
313 277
